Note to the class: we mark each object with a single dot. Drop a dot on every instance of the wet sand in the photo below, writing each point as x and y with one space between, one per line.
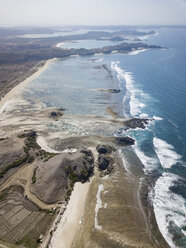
21 85
117 214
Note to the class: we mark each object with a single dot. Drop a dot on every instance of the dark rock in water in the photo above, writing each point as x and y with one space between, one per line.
53 114
114 91
136 123
103 162
62 109
103 149
57 113
124 141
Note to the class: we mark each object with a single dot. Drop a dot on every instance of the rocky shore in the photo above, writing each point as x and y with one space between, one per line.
74 190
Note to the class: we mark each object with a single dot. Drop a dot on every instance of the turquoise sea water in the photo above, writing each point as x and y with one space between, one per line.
153 85
88 44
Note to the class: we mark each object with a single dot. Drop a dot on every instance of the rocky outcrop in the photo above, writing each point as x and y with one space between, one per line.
87 152
136 123
105 163
103 149
105 159
29 134
124 141
80 169
56 177
53 114
113 90
56 114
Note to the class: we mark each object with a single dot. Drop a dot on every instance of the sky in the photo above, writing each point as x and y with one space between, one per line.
92 12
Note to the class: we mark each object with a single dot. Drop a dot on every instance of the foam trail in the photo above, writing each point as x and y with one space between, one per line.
144 115
137 52
135 104
157 118
125 163
98 206
169 208
149 163
166 154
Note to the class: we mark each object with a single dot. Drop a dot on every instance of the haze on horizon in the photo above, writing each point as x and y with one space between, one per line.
92 12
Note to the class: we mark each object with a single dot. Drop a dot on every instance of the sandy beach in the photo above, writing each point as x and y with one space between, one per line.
71 219
117 214
21 85
108 211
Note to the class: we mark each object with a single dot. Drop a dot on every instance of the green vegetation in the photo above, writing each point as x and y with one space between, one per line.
34 176
30 142
73 176
3 196
30 240
14 164
27 242
76 175
30 159
30 145
84 173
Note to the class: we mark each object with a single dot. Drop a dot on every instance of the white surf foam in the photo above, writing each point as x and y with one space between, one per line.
3 108
166 154
136 52
145 37
144 115
135 104
125 163
157 118
98 206
149 163
43 144
168 206
99 60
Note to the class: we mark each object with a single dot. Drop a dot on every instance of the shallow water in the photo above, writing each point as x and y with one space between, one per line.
88 44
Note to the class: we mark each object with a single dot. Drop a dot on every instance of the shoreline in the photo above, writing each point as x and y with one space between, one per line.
117 204
21 85
70 221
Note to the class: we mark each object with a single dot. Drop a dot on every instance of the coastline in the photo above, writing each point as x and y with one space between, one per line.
68 228
118 213
22 84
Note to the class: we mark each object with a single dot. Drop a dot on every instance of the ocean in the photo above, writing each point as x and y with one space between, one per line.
152 85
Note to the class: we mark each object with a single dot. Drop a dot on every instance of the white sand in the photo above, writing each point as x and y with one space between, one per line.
71 219
21 85
98 206
43 144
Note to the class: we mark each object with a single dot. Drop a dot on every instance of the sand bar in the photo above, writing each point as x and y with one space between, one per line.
43 144
21 85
